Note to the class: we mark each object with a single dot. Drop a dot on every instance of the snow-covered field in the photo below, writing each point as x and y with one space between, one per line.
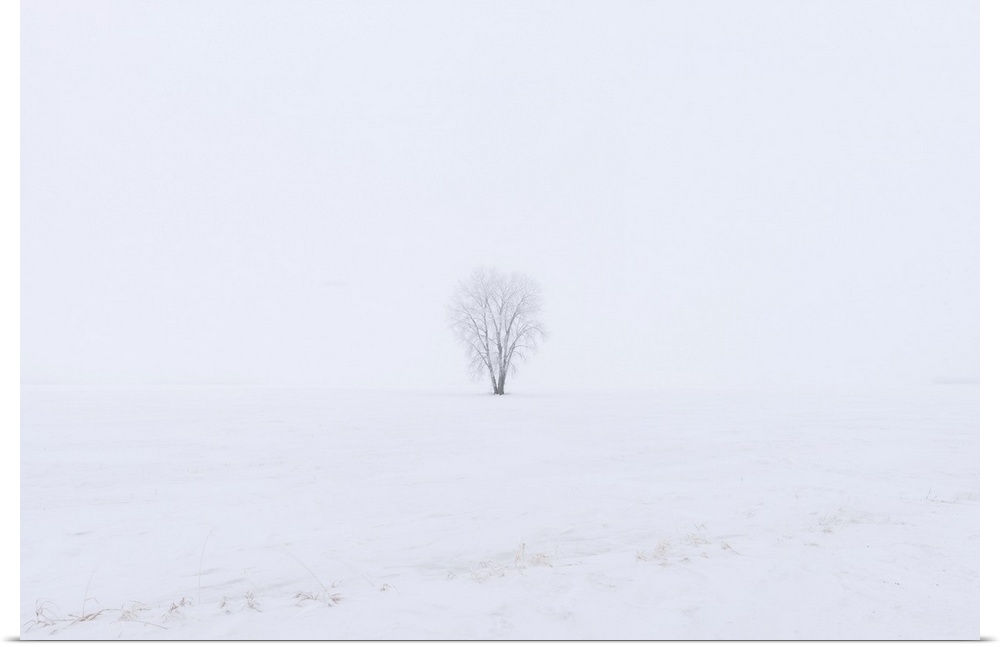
226 512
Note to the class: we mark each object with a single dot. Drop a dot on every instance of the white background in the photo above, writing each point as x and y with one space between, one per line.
165 315
709 193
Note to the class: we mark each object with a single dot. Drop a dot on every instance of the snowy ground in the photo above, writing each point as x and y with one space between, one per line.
275 513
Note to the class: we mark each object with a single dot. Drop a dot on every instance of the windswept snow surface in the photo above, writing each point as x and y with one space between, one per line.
203 513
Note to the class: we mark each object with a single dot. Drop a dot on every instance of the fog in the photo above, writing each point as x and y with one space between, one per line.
710 194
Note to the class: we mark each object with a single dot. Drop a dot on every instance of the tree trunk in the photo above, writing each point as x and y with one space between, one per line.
501 367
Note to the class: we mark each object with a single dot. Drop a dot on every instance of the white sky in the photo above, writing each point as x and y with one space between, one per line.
710 193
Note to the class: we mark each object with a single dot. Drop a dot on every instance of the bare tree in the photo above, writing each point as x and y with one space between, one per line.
495 317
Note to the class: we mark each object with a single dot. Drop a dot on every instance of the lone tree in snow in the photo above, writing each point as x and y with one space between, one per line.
495 317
